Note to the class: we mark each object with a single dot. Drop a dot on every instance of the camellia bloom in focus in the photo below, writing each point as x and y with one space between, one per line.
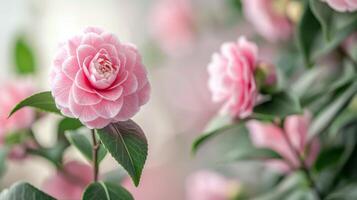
70 184
98 80
269 18
232 77
266 135
343 5
172 24
207 185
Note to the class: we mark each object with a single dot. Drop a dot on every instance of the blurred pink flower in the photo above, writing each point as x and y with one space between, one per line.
99 80
171 22
266 135
232 77
342 5
70 183
159 182
268 19
11 94
207 185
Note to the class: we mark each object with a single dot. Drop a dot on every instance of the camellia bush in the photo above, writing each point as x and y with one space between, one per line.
296 116
301 122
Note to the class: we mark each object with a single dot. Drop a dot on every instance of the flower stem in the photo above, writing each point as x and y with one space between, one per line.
95 156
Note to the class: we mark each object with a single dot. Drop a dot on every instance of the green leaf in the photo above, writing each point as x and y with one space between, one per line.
82 143
24 57
328 157
307 30
327 116
252 154
340 35
43 101
24 191
323 14
3 156
68 124
346 192
106 191
127 143
207 136
280 105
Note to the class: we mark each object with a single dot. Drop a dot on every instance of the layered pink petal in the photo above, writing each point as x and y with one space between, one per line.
82 97
108 109
129 108
98 123
70 67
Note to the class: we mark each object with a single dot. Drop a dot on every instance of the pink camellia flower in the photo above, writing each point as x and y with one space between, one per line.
11 94
232 77
172 24
99 80
207 185
69 184
342 5
268 18
265 135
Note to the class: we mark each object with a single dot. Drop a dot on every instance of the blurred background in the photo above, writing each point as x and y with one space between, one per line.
176 56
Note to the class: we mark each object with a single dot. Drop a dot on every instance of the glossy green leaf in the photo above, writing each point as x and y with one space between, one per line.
43 101
24 191
323 14
106 191
328 157
83 144
24 57
307 30
127 143
326 117
280 105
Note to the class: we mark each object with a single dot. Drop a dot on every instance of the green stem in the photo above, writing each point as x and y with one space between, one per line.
95 156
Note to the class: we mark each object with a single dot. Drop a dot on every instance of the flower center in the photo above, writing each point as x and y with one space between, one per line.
102 70
103 67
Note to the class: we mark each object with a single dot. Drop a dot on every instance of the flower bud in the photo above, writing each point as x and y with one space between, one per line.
266 78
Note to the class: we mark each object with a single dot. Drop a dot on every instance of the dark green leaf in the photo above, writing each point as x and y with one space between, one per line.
43 101
307 31
323 14
24 58
326 117
24 191
328 157
280 105
106 191
127 143
82 143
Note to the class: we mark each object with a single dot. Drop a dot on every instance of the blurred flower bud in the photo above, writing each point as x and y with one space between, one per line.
266 77
294 11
